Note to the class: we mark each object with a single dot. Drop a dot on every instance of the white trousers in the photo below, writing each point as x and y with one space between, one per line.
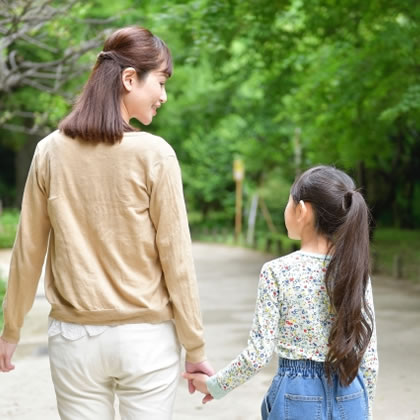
137 362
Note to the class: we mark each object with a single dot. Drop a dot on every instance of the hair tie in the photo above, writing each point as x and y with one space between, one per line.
347 199
105 55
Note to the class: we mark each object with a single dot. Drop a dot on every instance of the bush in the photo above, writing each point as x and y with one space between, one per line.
9 220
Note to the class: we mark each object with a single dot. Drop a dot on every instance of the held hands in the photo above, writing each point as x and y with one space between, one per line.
205 370
6 353
198 380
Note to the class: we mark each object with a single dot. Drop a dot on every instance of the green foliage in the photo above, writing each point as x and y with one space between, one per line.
345 75
9 220
257 79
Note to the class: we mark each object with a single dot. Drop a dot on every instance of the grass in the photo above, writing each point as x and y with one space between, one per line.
8 224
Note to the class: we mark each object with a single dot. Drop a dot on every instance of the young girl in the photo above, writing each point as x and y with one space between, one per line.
314 309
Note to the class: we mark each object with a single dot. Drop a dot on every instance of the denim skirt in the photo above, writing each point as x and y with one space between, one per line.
300 391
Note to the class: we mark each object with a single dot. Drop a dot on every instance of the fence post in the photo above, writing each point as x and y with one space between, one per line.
225 234
268 244
255 241
398 267
215 234
278 247
374 262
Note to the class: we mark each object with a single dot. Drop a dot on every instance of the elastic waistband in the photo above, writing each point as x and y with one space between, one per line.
301 367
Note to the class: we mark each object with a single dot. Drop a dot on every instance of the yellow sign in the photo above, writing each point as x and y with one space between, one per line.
238 170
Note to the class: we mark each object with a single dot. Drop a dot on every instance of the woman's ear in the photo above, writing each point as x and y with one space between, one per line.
128 77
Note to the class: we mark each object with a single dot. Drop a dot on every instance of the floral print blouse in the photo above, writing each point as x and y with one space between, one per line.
293 318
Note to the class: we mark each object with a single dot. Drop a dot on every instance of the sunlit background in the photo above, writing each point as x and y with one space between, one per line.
261 90
281 85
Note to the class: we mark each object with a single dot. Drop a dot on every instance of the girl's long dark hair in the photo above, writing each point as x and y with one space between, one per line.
342 216
96 116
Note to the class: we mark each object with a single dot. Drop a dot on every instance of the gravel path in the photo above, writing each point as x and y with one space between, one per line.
228 280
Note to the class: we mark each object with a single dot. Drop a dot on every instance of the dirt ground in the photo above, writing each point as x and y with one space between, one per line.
228 279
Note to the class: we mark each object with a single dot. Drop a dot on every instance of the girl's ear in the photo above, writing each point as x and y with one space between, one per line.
127 77
302 210
306 212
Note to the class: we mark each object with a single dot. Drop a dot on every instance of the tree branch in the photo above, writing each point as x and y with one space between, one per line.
34 15
48 68
39 44
41 131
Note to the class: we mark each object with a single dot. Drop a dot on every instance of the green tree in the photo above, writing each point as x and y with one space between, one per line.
285 84
46 48
342 73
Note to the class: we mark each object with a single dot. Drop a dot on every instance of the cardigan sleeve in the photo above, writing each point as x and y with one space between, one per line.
28 251
261 342
169 216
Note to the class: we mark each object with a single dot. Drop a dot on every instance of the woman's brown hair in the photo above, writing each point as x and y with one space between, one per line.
96 116
342 216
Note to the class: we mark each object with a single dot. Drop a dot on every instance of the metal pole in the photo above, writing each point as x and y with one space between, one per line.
251 220
238 213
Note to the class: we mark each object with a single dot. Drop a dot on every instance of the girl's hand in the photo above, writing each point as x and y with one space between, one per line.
199 382
201 367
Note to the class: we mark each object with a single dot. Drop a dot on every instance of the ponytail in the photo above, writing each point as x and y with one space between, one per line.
346 281
342 216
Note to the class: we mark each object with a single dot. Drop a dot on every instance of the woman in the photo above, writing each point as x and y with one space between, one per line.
106 202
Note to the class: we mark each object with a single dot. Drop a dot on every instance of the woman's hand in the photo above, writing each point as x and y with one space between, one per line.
200 367
6 353
198 380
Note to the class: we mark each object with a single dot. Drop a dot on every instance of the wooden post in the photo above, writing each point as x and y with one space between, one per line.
374 262
268 244
267 216
278 247
238 176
